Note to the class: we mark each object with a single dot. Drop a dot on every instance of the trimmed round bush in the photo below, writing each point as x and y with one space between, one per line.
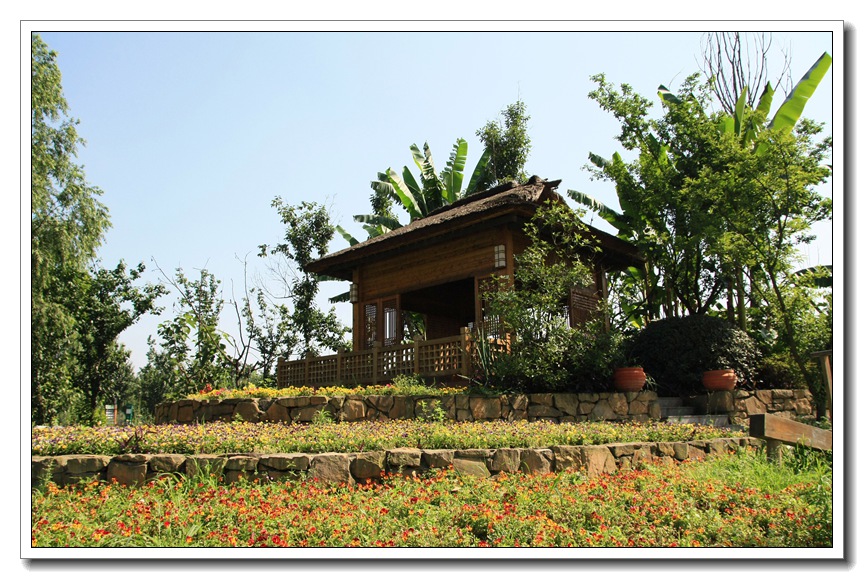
676 351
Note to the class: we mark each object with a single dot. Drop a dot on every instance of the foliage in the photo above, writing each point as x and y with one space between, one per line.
779 371
308 232
67 224
110 302
676 351
276 437
693 505
545 353
157 379
192 340
433 190
719 204
270 332
508 144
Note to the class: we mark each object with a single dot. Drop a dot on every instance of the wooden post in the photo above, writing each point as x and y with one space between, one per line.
416 355
376 350
338 367
280 361
466 351
824 358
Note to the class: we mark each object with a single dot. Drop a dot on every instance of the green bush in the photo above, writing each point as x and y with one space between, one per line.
676 351
779 371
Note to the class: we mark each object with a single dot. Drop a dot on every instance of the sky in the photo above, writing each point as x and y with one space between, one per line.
191 135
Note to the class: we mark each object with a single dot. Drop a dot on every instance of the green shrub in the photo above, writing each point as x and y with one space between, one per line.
779 371
676 351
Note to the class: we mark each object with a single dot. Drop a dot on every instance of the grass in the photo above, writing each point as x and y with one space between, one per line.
738 501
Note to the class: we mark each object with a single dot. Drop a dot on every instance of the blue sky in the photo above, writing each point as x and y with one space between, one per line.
191 135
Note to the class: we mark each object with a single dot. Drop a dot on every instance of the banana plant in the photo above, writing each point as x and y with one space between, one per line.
433 190
419 199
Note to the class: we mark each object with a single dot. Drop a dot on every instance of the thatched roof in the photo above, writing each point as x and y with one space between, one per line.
485 208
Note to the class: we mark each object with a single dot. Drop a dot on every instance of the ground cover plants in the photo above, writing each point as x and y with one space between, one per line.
238 437
401 386
737 501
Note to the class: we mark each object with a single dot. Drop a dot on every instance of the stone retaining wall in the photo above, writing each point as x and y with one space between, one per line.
134 469
739 405
462 407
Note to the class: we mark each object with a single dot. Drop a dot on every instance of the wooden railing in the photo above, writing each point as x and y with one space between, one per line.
777 431
441 358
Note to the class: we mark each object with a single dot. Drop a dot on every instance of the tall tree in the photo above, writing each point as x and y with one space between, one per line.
111 303
67 226
735 62
509 144
192 338
713 193
308 232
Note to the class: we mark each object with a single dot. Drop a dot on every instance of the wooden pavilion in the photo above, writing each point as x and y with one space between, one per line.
435 269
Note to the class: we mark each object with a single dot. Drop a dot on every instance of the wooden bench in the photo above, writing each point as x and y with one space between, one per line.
777 431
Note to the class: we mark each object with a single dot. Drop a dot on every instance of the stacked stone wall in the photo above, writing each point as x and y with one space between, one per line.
350 468
564 407
739 405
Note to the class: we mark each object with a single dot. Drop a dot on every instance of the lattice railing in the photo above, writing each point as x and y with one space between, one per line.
429 358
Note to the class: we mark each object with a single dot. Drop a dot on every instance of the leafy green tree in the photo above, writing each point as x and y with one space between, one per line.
67 226
271 333
111 303
508 144
719 201
681 273
157 379
192 340
308 232
545 353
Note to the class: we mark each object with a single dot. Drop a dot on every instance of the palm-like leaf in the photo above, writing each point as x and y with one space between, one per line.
406 198
433 188
479 172
790 111
612 217
667 96
380 220
452 175
347 236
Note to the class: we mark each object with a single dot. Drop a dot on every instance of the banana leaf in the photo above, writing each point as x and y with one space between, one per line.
347 236
380 220
479 172
452 175
404 194
792 108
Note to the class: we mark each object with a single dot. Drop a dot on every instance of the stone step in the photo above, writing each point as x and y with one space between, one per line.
677 411
707 419
667 401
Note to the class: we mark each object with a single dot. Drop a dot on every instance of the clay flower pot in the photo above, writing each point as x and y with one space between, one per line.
629 379
719 380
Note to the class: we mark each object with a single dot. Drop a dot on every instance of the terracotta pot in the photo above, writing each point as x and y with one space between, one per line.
719 380
629 379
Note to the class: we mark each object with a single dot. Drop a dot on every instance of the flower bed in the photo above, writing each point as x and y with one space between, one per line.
243 437
404 387
689 505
